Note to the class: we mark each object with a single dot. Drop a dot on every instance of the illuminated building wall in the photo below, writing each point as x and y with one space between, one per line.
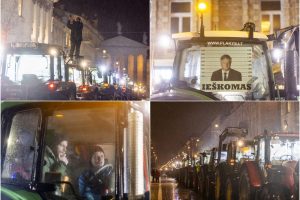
91 38
168 16
26 20
256 117
130 55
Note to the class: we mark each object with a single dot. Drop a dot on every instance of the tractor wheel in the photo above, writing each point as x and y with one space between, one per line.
271 192
72 95
202 188
209 194
219 187
246 191
229 190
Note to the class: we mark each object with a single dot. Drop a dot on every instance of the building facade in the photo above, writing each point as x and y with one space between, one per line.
171 16
255 117
26 20
91 37
38 21
126 56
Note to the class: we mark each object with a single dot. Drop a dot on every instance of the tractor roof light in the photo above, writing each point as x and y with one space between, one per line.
53 52
83 63
240 143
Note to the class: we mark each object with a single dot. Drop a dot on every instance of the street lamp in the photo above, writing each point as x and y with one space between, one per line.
164 41
83 64
201 8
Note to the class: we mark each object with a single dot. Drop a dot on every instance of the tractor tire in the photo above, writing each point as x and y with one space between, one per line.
219 185
209 194
72 95
273 192
202 183
246 191
229 189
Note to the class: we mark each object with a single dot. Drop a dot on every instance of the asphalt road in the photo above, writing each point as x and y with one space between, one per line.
168 189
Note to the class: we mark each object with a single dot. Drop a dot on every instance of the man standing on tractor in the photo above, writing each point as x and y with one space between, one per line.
76 27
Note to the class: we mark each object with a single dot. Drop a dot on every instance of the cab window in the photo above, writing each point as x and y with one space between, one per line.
80 149
21 146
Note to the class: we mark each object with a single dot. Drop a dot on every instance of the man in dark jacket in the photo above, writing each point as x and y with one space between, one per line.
76 35
226 73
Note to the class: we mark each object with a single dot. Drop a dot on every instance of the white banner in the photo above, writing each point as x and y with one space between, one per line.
226 68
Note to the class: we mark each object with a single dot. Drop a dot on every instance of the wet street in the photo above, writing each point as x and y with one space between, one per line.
168 189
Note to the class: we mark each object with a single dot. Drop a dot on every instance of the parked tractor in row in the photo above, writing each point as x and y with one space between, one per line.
266 167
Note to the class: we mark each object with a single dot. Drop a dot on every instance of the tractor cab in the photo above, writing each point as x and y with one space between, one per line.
34 71
201 61
285 59
85 81
278 149
64 150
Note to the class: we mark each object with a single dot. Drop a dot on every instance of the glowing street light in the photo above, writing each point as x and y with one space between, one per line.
83 64
103 68
201 7
164 41
53 52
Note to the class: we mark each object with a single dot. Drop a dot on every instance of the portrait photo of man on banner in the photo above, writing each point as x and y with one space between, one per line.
226 68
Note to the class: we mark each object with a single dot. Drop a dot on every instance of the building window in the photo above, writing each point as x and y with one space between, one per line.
20 7
271 18
181 15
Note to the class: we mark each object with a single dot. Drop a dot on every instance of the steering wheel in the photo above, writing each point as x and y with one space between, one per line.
286 157
106 168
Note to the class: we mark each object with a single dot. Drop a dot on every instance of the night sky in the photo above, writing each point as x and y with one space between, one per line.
132 14
172 124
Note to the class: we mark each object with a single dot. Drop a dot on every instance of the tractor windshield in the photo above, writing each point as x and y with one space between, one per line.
76 76
245 152
284 149
80 148
20 151
227 70
21 68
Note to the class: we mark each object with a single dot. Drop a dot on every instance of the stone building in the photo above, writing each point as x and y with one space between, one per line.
127 56
170 16
38 21
26 20
91 37
255 117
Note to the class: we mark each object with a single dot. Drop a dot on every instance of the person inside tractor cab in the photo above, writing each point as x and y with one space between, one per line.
55 157
94 183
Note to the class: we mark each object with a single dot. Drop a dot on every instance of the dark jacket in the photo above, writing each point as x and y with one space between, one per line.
233 75
94 187
76 30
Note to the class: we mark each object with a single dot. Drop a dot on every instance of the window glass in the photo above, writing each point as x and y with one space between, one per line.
270 5
20 155
174 24
182 7
27 68
186 21
284 149
198 65
85 160
276 22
